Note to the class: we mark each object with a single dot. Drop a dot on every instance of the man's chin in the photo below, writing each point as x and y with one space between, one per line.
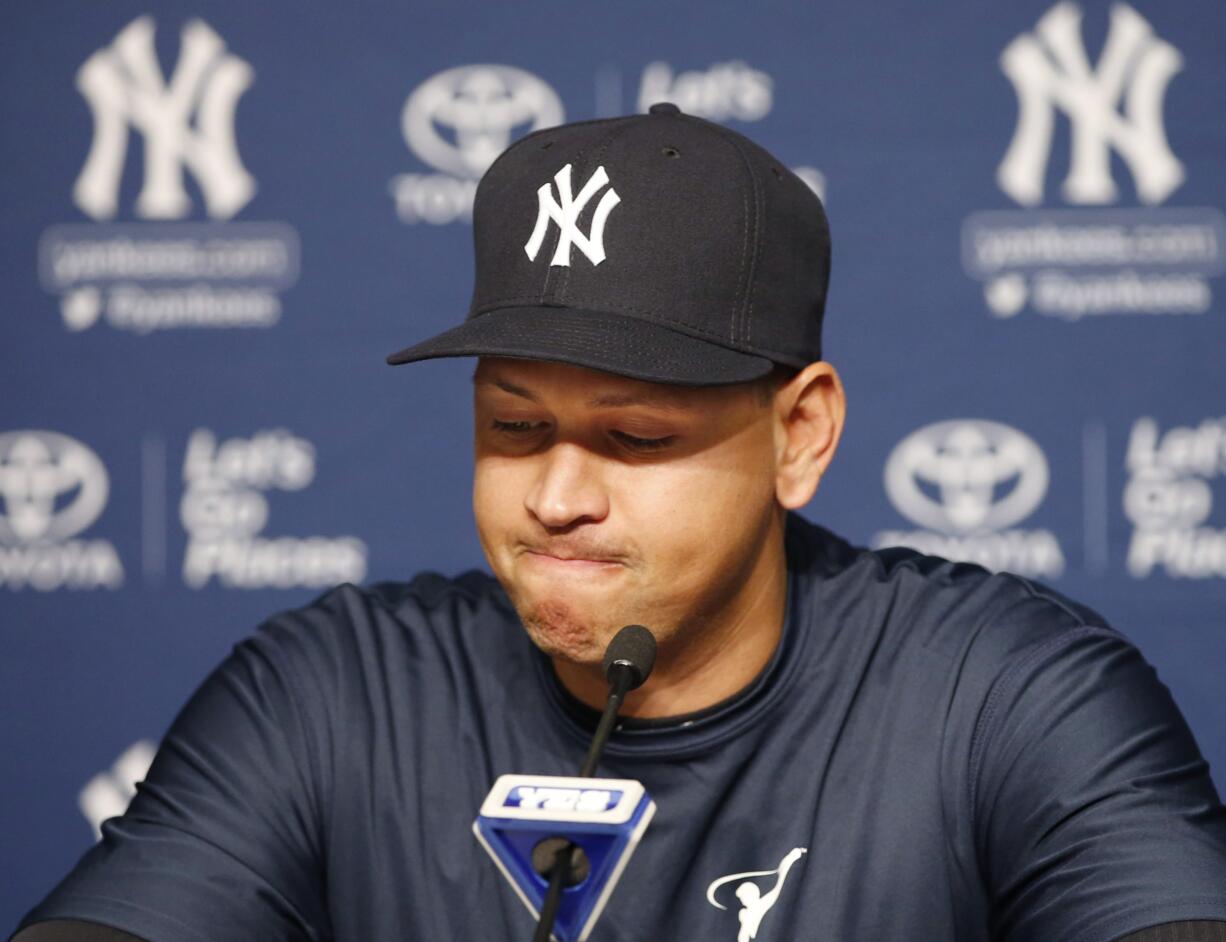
564 631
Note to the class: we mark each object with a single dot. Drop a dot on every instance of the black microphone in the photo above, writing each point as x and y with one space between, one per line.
628 661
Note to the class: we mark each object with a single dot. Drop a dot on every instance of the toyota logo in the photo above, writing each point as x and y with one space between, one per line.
966 476
480 106
51 487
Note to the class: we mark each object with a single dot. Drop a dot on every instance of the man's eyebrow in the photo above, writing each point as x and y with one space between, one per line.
506 387
601 401
612 400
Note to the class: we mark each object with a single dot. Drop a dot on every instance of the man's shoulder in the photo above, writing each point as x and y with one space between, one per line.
428 594
430 615
947 607
435 595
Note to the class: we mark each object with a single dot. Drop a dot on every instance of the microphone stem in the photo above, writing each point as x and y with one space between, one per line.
553 897
619 682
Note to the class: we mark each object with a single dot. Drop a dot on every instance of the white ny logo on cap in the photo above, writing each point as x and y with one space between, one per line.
565 211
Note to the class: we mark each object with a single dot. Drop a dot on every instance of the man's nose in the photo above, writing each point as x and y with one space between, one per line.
568 488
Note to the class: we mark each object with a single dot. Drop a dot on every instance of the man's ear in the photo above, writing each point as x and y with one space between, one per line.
809 413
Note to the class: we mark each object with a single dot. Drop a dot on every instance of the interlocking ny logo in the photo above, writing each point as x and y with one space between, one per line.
565 211
124 86
1050 69
108 793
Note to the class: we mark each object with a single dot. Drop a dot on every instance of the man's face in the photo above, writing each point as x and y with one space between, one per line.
602 501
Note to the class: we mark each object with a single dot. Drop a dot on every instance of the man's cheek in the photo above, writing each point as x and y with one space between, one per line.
494 497
492 532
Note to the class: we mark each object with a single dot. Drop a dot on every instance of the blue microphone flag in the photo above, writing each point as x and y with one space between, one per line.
606 817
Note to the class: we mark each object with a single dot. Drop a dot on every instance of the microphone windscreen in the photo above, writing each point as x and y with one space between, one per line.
635 646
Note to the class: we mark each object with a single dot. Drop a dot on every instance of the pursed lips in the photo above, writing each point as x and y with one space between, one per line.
569 559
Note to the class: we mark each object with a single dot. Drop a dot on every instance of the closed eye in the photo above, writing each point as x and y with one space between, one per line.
644 444
515 428
524 428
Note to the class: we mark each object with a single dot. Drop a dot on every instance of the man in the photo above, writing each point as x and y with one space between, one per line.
932 751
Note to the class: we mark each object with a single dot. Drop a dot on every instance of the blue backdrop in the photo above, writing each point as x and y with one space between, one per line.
218 218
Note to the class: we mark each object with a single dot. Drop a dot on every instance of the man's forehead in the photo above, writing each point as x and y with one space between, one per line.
535 381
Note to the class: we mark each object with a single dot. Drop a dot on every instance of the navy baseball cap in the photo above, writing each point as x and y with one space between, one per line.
660 247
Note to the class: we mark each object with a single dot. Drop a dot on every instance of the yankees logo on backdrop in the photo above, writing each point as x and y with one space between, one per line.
566 210
1050 69
1083 260
124 87
108 793
167 272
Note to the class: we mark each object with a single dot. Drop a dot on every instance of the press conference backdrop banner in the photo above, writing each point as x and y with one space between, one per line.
219 217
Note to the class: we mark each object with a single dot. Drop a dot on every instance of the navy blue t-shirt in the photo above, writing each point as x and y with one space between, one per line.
933 752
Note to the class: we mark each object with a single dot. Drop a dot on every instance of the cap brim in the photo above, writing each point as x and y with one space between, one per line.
597 340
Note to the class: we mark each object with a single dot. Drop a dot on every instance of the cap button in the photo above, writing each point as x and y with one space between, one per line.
664 107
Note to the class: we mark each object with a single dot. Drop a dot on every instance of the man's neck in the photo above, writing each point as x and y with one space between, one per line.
721 658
